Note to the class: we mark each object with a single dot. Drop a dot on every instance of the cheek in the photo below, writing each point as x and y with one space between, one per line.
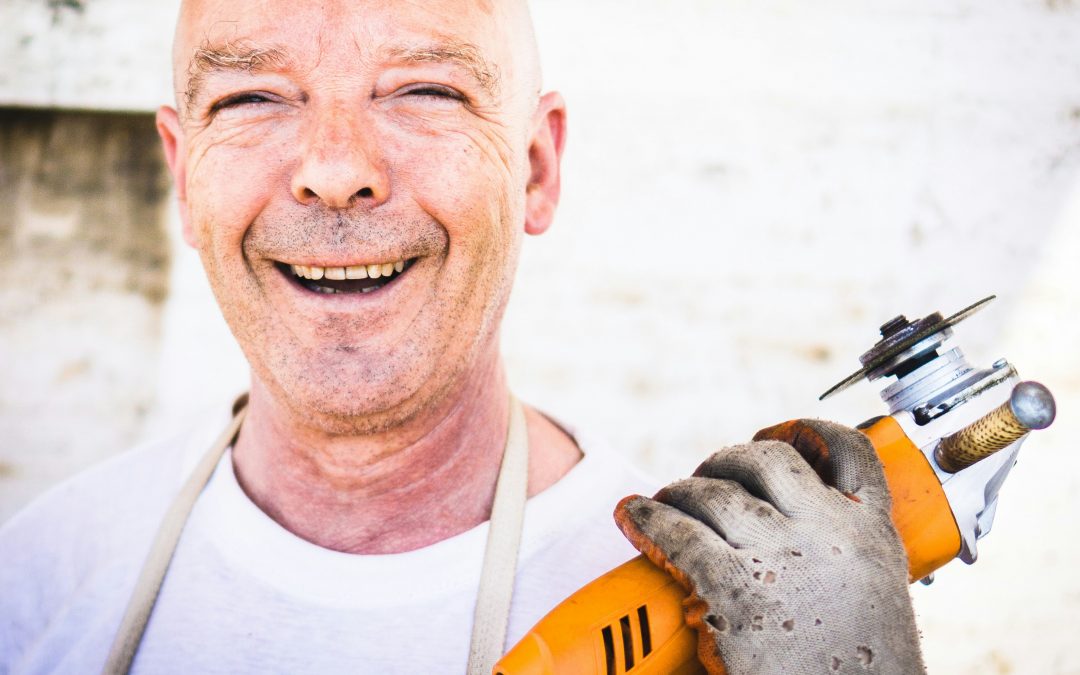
472 198
471 182
232 177
476 194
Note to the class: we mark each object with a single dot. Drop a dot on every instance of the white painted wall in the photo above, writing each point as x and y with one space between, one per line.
91 54
751 188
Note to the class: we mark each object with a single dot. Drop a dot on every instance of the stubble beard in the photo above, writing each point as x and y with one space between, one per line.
369 396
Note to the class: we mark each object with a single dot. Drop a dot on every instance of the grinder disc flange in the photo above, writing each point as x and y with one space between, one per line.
903 338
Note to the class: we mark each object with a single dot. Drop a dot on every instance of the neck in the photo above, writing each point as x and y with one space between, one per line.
397 490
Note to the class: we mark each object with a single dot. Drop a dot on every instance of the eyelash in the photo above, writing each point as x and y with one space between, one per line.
238 99
435 91
426 90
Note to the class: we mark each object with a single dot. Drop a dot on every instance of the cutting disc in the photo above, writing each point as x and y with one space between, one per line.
890 346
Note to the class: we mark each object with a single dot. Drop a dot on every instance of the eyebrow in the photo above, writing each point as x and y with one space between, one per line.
226 57
462 54
247 58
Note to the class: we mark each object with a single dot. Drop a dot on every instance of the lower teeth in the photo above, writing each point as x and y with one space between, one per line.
333 291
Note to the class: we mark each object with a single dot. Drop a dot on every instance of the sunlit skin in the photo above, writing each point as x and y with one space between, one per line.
352 132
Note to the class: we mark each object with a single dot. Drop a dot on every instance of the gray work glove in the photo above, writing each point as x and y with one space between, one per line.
786 574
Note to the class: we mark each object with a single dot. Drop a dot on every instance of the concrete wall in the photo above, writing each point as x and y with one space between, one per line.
751 188
84 268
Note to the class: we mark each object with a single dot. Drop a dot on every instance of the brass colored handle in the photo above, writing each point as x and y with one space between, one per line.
1030 406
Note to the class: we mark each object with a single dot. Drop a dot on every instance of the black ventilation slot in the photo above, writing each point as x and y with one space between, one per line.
646 634
627 642
626 631
609 650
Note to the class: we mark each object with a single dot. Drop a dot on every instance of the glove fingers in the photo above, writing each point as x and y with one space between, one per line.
726 507
811 447
669 538
771 471
674 542
842 456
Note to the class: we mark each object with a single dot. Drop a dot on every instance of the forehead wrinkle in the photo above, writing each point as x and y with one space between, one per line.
463 54
230 56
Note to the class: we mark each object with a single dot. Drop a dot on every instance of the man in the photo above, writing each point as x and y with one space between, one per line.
357 178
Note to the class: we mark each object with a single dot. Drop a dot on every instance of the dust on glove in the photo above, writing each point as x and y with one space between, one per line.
786 573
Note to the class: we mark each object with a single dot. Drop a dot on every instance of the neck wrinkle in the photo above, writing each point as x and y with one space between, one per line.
385 493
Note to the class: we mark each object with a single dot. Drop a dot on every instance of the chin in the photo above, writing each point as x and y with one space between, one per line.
347 389
358 400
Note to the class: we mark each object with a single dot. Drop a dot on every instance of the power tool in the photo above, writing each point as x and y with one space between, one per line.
949 440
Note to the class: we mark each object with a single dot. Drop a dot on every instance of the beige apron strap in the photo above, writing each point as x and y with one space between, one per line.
492 611
157 562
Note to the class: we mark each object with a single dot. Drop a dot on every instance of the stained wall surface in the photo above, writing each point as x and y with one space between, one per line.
750 189
84 271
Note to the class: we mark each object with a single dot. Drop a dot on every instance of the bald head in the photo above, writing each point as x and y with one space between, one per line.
492 40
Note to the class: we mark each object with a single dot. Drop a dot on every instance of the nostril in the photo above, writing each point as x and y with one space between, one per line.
332 198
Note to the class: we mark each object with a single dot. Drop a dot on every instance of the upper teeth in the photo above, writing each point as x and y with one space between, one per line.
351 272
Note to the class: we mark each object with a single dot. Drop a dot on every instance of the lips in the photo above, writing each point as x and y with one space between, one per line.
347 279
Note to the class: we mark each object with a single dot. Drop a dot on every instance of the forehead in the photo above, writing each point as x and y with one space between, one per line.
342 29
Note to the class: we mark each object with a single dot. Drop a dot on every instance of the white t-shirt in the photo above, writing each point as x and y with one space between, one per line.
245 595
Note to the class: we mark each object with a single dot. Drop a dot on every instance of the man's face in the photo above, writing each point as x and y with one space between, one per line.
401 145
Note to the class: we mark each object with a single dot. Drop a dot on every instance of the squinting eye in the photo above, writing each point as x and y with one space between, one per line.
433 91
238 100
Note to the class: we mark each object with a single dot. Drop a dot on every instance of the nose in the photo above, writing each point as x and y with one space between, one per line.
341 166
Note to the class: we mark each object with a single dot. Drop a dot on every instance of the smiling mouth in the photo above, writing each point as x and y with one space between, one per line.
351 279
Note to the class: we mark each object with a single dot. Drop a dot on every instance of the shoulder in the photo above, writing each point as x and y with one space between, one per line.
577 510
604 470
96 525
106 497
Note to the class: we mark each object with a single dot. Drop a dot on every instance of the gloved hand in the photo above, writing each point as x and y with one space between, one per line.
786 574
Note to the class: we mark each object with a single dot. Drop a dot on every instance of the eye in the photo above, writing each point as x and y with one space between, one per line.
436 91
238 100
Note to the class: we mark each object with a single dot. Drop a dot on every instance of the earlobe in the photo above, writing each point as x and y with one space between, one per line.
545 157
172 142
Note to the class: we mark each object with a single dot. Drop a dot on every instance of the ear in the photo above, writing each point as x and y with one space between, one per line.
172 141
545 156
